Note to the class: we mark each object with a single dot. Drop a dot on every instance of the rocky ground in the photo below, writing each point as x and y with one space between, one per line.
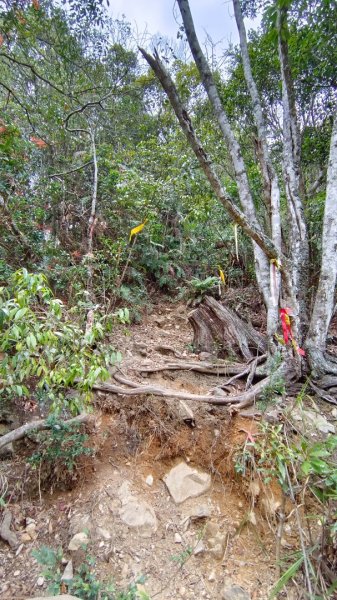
160 499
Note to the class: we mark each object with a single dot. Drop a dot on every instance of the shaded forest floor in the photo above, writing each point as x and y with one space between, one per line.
225 537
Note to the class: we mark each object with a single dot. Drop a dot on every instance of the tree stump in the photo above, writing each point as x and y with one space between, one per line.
219 330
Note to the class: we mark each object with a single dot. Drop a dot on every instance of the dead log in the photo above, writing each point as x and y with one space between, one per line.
20 432
218 329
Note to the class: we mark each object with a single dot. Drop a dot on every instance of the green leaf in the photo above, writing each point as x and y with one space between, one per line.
287 575
20 313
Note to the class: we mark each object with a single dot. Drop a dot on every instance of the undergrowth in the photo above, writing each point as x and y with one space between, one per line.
306 472
57 458
84 583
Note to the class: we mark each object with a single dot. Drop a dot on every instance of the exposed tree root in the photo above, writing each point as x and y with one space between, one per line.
5 533
322 394
135 389
217 328
321 363
19 433
209 368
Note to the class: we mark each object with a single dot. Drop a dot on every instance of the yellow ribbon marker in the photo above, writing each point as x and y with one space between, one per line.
222 276
275 265
136 230
236 241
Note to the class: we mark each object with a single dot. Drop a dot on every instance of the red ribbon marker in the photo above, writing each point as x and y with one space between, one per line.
285 314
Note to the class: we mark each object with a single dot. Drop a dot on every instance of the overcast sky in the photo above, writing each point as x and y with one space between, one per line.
160 16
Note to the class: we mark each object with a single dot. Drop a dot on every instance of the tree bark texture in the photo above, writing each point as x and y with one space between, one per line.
325 295
219 330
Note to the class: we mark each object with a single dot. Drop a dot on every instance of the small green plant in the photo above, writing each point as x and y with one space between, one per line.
60 449
84 584
200 287
182 557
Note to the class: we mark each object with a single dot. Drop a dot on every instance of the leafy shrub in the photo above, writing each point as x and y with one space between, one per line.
60 450
45 351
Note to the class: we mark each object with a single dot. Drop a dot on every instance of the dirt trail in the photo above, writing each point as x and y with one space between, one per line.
137 441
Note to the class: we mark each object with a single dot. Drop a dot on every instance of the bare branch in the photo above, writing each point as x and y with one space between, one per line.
35 72
90 162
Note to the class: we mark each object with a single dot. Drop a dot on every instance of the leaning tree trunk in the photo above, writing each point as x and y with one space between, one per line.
219 330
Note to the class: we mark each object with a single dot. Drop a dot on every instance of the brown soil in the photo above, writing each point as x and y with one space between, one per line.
136 437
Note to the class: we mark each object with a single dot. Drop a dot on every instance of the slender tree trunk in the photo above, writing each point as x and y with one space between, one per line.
271 184
325 295
299 245
92 218
261 262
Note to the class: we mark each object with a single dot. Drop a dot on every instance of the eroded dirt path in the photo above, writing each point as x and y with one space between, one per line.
196 548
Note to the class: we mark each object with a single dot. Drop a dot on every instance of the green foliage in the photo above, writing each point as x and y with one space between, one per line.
300 467
45 351
61 447
198 288
182 557
84 584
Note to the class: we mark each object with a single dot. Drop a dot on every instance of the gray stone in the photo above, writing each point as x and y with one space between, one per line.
103 533
234 592
136 513
140 516
312 421
199 548
77 541
184 482
79 523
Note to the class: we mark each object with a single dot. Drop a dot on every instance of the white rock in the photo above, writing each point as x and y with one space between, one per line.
212 576
79 540
40 581
185 482
177 538
200 548
68 573
16 573
149 480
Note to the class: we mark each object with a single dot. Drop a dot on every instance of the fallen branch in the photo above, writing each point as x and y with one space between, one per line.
135 389
20 432
5 533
